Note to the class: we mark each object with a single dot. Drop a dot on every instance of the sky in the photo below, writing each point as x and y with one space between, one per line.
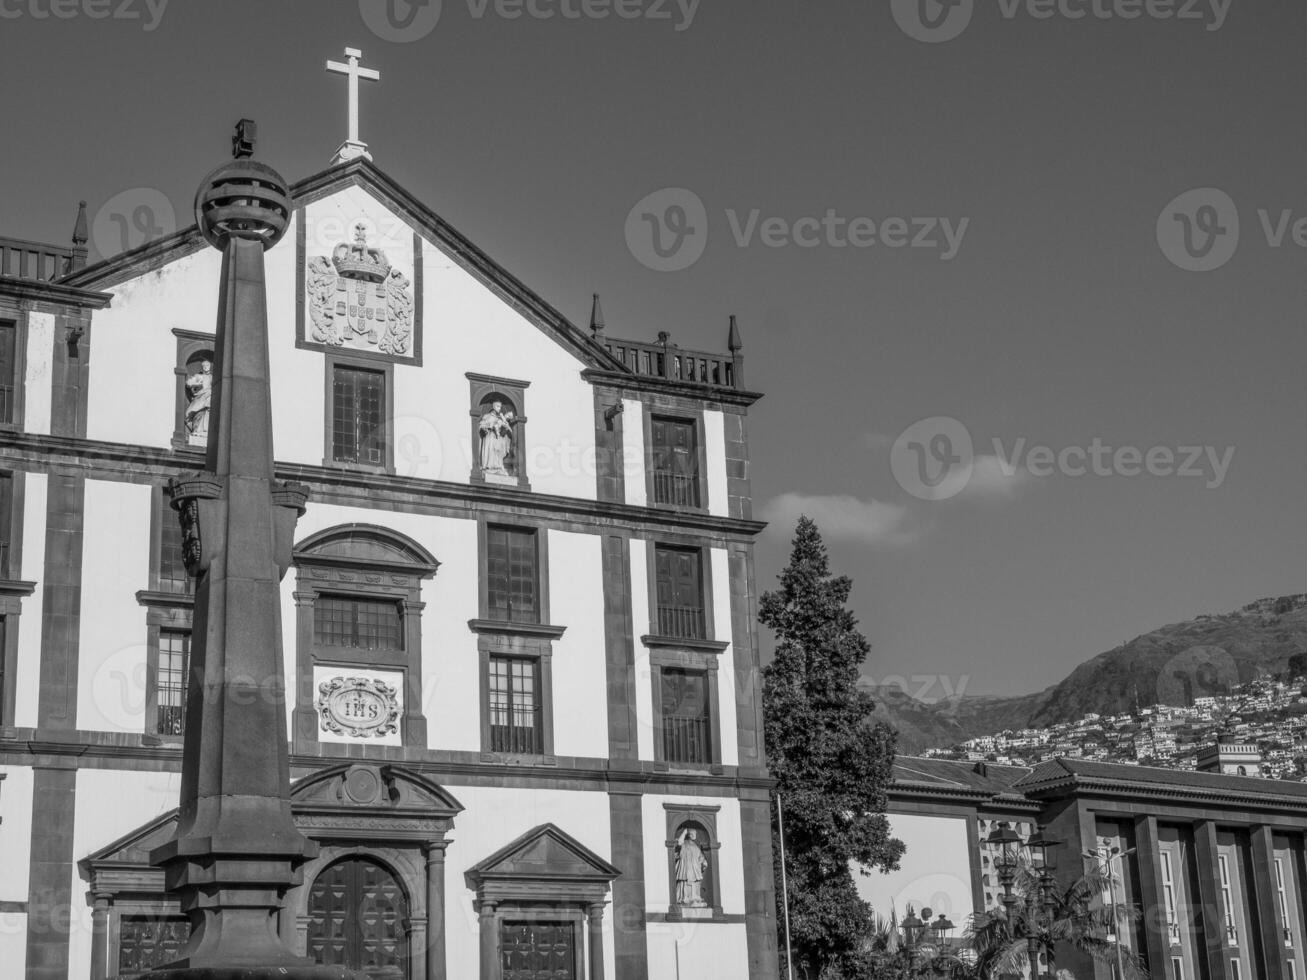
937 225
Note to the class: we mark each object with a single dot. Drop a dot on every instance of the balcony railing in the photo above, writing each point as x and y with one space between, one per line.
663 359
172 719
684 622
686 740
518 739
37 260
676 487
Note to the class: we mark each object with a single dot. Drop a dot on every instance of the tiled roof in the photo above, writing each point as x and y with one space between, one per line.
1056 771
984 777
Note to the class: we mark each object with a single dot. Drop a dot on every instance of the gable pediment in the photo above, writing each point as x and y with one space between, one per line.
544 853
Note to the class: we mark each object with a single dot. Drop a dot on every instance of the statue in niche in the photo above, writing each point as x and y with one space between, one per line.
690 867
496 430
199 392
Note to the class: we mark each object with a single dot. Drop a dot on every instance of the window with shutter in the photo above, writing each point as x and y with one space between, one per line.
675 462
358 416
679 593
512 571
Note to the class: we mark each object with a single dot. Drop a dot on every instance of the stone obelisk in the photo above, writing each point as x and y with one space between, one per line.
237 850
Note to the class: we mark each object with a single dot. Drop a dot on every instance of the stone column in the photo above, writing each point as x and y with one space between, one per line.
1209 888
1262 892
1151 890
595 917
436 912
100 935
490 966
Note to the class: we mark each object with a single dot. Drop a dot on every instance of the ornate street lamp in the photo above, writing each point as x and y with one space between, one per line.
1034 852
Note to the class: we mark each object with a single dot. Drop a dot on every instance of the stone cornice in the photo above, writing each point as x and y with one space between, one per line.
109 750
58 294
516 629
666 386
1070 784
130 462
680 643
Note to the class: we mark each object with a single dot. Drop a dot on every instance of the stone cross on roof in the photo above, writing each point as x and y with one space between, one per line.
353 147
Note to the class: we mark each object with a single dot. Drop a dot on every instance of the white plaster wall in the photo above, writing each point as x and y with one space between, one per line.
38 376
934 871
576 599
136 351
27 683
494 818
13 942
721 600
110 804
112 681
15 832
698 951
633 451
450 662
643 670
714 439
729 857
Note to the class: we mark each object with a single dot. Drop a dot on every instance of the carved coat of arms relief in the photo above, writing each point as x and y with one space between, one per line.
357 298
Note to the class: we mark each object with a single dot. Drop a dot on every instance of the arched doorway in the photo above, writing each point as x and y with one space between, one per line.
358 919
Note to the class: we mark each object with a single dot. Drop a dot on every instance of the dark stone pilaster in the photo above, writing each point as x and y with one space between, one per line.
50 893
759 884
1268 942
610 461
1212 914
630 941
62 601
1149 859
739 494
619 647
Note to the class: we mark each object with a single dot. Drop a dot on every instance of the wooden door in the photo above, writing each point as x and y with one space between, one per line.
358 919
538 950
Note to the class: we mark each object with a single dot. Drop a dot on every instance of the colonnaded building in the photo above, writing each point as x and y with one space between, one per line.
519 627
1215 863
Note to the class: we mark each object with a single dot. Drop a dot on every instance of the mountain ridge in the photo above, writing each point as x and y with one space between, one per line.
1173 664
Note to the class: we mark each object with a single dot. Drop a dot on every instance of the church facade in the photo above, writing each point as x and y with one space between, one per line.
520 648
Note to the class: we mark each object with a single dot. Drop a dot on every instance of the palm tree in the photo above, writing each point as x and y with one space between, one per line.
1076 916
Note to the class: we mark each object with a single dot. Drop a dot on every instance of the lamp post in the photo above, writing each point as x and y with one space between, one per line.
1104 857
1013 852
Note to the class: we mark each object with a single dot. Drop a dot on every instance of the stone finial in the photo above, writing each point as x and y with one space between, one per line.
733 342
597 324
243 140
80 234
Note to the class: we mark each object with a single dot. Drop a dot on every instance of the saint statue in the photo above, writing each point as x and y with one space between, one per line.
690 866
496 428
199 390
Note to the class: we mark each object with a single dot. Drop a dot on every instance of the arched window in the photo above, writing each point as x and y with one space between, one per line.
359 637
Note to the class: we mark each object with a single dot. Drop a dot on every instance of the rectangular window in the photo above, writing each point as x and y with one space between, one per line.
515 724
1168 894
367 624
1292 969
512 575
675 462
680 592
1227 900
9 378
1177 968
172 570
686 717
1235 974
170 681
1284 901
358 432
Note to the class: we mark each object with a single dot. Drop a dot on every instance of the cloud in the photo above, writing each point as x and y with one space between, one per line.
843 517
995 478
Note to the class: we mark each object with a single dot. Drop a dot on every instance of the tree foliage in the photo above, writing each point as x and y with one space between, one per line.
831 763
